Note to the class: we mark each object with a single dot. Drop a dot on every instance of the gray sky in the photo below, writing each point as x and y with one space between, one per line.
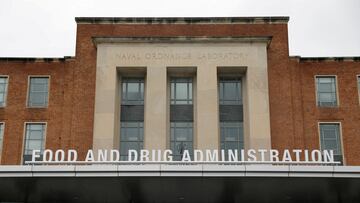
46 28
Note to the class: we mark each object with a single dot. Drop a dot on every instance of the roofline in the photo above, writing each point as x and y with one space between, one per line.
183 20
327 59
35 59
182 39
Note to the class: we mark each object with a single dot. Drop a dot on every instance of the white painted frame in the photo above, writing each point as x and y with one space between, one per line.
24 136
2 143
28 91
341 137
357 85
337 91
6 89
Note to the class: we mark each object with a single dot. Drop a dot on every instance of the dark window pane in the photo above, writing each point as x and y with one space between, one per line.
131 137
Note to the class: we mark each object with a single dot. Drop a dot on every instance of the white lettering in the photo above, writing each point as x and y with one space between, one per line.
102 155
233 155
144 155
262 154
297 154
132 155
35 154
72 155
198 155
186 156
251 155
212 155
168 155
114 155
90 156
59 155
328 155
48 155
286 156
316 155
274 155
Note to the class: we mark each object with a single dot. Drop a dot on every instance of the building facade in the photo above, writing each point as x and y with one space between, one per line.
180 83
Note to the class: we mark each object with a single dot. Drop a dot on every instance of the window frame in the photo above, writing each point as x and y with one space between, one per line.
173 141
340 137
226 77
358 86
138 127
336 91
24 136
190 81
2 142
122 93
6 90
221 123
28 91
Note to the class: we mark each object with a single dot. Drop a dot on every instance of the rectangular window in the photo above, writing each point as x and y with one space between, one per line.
181 90
34 139
1 138
230 91
181 116
330 139
3 90
132 137
231 114
38 92
326 91
231 136
181 138
132 116
132 91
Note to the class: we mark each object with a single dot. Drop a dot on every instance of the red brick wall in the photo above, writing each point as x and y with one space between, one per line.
348 111
70 114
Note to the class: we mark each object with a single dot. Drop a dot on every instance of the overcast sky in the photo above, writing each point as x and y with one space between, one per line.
46 28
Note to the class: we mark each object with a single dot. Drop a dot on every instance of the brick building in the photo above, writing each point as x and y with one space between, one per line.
184 72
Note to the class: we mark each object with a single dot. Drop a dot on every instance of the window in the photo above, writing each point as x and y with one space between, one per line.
181 138
3 90
231 114
1 137
34 139
132 116
181 90
330 139
231 136
230 91
181 117
38 92
132 137
326 91
132 91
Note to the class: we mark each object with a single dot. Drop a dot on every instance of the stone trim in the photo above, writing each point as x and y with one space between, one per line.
181 39
183 20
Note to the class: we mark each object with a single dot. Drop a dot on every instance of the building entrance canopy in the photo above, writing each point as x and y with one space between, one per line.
179 183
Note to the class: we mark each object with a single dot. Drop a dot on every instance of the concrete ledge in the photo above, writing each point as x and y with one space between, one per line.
53 170
185 170
15 171
183 20
311 171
